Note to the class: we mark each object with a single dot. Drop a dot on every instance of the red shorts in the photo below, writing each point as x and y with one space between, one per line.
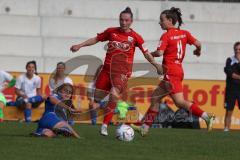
105 81
173 83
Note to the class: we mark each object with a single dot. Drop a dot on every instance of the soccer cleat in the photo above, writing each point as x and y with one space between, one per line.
143 129
226 130
103 130
209 121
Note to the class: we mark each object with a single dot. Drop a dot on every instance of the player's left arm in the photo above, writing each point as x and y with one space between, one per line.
157 53
148 55
198 46
151 60
38 89
193 41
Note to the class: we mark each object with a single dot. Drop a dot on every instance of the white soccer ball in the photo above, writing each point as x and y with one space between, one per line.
125 133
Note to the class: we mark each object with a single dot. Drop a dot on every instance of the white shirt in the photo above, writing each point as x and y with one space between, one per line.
28 86
53 85
4 77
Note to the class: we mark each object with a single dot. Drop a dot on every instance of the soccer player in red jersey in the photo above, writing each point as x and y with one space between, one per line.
172 47
117 67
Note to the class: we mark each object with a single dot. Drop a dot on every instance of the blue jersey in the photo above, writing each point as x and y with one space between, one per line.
49 106
61 112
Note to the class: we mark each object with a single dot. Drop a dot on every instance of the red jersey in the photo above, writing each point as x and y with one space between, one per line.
120 49
173 43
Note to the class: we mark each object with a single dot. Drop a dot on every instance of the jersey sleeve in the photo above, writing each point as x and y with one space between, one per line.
104 36
7 76
141 45
228 68
163 43
19 82
190 38
39 81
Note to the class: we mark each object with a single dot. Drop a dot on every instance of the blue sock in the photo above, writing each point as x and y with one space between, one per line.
28 115
93 114
11 103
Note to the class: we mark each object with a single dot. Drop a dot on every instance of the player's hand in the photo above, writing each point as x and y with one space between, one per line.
75 48
197 52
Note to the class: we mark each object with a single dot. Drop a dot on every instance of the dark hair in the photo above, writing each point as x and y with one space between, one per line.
61 63
35 65
59 88
174 14
236 44
127 10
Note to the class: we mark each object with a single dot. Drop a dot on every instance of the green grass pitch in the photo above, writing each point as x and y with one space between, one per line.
166 144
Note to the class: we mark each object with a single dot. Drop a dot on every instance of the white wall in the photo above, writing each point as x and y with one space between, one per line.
44 30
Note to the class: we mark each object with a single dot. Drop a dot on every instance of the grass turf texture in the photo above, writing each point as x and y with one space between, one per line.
16 144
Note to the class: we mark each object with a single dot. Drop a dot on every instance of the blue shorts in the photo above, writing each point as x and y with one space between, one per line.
48 121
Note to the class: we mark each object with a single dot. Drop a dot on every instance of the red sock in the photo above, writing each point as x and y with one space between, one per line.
195 110
150 116
109 112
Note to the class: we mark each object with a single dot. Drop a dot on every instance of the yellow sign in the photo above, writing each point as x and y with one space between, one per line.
207 93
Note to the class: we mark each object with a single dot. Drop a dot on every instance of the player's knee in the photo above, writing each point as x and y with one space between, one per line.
29 106
60 124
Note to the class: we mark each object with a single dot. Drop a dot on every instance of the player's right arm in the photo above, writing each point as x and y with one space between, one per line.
18 89
229 71
104 36
88 42
163 44
54 100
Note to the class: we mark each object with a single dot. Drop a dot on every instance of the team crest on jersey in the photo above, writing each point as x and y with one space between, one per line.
130 39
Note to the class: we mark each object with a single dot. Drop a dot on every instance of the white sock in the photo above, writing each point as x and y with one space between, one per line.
205 116
104 125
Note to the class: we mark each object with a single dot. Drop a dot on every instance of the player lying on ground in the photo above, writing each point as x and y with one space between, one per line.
172 46
58 110
117 67
6 81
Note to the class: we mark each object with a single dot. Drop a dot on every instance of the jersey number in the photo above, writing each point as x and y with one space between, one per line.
179 50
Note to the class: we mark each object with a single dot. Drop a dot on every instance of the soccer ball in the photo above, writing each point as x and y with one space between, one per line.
124 133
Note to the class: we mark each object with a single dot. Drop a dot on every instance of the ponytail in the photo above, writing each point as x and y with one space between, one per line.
128 11
174 14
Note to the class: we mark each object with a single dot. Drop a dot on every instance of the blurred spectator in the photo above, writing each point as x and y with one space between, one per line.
59 77
232 70
28 90
6 80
